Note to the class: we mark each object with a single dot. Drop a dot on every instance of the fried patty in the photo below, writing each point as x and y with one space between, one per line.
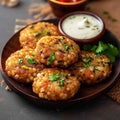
55 84
22 66
56 51
32 33
92 68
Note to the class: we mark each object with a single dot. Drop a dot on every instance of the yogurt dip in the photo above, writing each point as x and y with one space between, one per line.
82 26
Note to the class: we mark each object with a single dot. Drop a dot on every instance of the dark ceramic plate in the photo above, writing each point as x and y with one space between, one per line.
84 94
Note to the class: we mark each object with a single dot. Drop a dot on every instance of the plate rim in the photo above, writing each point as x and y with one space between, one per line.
69 101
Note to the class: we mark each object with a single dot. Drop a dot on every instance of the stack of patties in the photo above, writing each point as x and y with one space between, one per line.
44 60
54 64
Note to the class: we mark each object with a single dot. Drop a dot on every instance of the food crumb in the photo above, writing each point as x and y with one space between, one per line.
8 88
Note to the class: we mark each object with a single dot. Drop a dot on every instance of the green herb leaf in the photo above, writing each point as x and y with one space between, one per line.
109 55
86 63
51 58
111 52
113 49
67 47
31 61
57 77
61 82
47 33
91 48
87 47
103 48
54 77
37 34
20 60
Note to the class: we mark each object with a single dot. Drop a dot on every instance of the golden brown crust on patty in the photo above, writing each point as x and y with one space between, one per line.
22 66
32 33
55 84
92 68
56 51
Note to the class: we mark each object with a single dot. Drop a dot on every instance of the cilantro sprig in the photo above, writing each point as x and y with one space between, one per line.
103 48
58 77
31 61
86 63
67 47
54 76
51 58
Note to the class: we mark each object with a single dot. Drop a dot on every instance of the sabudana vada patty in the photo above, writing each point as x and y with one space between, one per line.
56 51
22 66
32 33
55 84
92 68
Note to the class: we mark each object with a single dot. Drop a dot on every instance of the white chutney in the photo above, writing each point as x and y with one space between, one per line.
82 26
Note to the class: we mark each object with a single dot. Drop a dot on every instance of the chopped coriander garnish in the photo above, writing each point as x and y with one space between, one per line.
103 48
47 33
67 47
25 67
31 61
86 63
51 58
54 77
20 60
61 82
37 34
59 77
